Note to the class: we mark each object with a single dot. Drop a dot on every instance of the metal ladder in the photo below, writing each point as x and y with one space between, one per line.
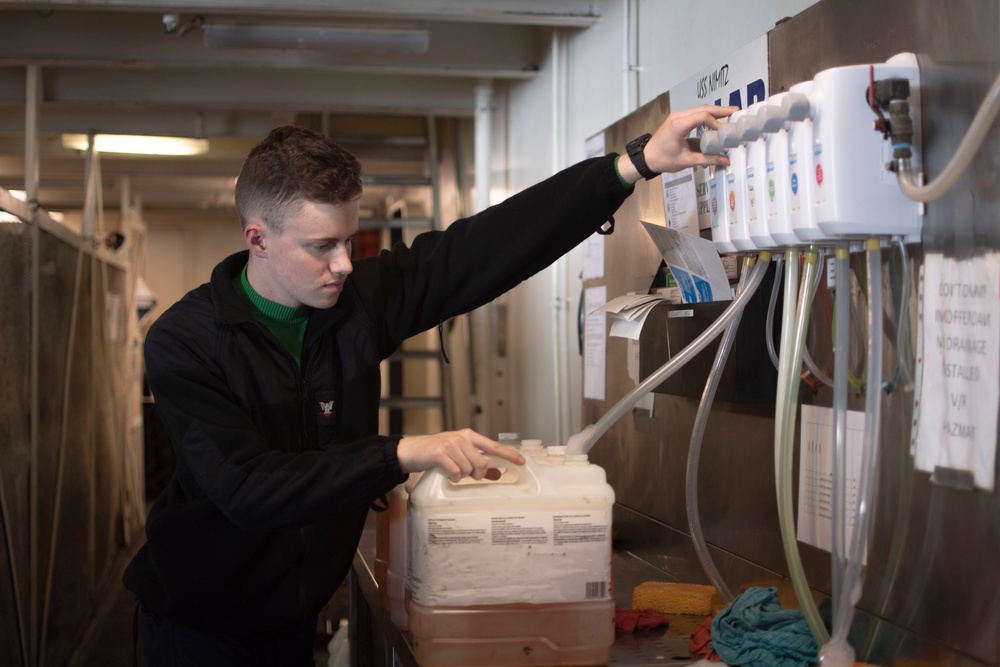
417 395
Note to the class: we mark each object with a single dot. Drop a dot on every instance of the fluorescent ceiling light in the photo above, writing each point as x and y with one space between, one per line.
137 144
344 41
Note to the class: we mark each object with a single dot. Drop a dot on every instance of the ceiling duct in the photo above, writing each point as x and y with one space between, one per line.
343 41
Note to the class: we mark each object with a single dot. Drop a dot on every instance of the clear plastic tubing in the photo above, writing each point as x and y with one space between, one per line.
960 160
769 325
806 356
850 587
903 325
793 333
591 434
841 364
694 450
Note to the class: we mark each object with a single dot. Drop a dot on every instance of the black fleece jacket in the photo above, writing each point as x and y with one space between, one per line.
277 466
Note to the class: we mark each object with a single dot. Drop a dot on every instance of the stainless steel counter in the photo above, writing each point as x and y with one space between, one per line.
376 641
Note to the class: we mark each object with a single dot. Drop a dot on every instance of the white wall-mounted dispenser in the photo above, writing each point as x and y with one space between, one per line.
855 195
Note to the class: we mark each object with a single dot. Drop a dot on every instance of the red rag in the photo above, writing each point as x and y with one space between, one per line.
630 620
700 643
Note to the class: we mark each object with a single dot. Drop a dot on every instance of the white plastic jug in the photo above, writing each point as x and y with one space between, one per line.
515 570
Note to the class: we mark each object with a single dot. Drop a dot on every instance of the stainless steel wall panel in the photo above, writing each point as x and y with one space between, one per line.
65 532
932 585
15 448
932 568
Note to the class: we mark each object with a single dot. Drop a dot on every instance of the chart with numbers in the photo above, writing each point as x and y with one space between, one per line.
816 465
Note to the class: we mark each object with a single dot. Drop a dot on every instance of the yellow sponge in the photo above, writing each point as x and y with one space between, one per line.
672 598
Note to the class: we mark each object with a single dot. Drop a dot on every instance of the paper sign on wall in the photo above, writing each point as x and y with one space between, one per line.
694 263
594 342
958 356
739 80
816 474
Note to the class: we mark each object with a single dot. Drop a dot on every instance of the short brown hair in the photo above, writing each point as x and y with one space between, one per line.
292 164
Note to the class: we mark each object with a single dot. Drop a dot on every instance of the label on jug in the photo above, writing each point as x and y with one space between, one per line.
462 559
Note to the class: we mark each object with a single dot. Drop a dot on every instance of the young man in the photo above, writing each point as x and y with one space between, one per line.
267 379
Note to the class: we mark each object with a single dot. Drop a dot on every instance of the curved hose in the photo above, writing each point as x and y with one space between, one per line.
899 329
806 355
858 337
842 330
850 586
769 325
581 442
898 550
960 160
792 341
694 450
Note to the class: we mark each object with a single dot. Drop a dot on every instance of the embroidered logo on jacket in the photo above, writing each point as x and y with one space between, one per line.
326 408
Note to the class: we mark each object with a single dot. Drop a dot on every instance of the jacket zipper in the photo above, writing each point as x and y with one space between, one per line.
302 379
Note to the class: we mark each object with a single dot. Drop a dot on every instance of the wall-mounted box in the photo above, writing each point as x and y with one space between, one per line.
748 376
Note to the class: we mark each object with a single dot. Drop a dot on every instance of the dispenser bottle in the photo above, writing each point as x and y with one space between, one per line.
801 162
736 181
756 179
777 203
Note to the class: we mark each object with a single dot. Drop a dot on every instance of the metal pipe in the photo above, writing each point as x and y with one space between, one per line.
433 168
558 269
33 97
90 164
483 123
630 69
482 160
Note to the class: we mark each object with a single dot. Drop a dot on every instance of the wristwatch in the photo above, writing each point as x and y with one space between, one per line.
634 150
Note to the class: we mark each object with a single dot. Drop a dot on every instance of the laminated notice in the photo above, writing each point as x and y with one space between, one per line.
475 558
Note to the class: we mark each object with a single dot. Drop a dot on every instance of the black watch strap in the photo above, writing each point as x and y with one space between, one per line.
634 149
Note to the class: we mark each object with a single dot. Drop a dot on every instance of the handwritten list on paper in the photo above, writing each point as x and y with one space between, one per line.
958 364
